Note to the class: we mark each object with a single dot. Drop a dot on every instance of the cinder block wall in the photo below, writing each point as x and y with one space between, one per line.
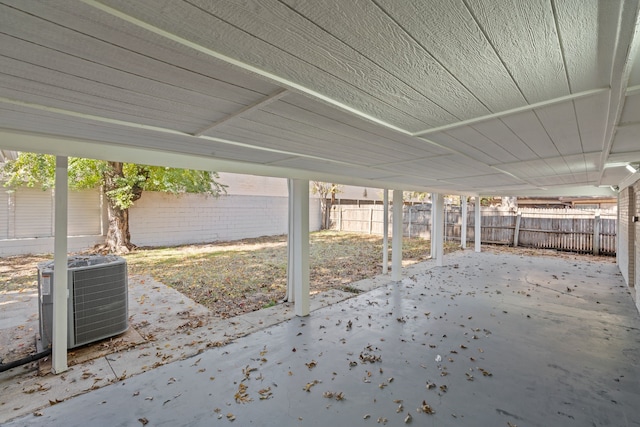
158 219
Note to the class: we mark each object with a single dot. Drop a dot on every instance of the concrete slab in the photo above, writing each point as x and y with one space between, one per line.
485 340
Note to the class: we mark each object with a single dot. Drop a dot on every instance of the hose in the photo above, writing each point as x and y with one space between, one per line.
25 360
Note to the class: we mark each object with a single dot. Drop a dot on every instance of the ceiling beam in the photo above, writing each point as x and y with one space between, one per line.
512 111
246 110
168 131
624 56
104 150
248 67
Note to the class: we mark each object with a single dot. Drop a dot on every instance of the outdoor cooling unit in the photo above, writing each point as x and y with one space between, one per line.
97 299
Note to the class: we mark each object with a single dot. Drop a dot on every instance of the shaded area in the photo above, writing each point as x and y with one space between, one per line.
488 339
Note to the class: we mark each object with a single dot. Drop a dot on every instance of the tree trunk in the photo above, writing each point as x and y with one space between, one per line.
323 210
118 238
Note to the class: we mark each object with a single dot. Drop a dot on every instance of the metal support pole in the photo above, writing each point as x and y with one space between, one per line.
60 286
463 227
396 238
385 232
478 226
439 229
298 247
300 255
433 222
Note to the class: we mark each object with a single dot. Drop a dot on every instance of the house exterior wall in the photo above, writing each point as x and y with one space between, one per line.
636 225
629 242
625 251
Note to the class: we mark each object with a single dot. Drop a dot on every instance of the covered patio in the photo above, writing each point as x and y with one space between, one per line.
487 339
464 97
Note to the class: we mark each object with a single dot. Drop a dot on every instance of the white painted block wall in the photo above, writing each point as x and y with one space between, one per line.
159 219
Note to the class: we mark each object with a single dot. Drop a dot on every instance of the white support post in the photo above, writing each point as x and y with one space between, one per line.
596 233
396 238
439 229
299 255
477 231
434 217
463 227
385 232
60 288
291 296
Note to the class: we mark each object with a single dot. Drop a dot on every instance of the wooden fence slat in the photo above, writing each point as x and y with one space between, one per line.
562 229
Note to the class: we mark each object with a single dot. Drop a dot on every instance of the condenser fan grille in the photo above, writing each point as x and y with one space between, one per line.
100 302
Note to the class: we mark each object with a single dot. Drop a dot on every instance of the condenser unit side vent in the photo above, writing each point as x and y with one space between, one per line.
99 303
98 299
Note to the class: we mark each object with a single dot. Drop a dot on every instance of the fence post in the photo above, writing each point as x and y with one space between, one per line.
596 234
410 221
516 232
370 219
340 218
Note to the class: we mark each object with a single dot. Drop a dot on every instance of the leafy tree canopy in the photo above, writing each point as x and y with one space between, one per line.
33 170
122 183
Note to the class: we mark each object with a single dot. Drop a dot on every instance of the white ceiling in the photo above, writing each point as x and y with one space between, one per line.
536 97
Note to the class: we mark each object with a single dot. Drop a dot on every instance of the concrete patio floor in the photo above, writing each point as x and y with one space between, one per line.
488 339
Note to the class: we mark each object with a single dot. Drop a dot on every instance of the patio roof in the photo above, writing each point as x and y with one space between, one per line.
457 97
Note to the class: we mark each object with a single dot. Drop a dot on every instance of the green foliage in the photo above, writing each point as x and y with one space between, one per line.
30 169
33 170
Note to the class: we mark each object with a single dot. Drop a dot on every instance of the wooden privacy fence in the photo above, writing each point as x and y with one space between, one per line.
575 230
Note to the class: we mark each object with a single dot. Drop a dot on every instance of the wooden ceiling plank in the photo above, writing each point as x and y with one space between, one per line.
591 114
448 141
365 138
528 127
383 99
314 107
55 85
114 64
261 103
560 123
576 21
472 138
524 35
367 29
45 122
48 96
504 137
267 129
439 25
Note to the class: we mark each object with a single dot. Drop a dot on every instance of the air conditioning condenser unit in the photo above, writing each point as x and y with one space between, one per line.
97 299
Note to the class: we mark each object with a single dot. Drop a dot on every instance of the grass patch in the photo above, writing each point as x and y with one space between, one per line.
231 278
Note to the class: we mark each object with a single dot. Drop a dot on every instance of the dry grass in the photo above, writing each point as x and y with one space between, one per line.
231 278
238 277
